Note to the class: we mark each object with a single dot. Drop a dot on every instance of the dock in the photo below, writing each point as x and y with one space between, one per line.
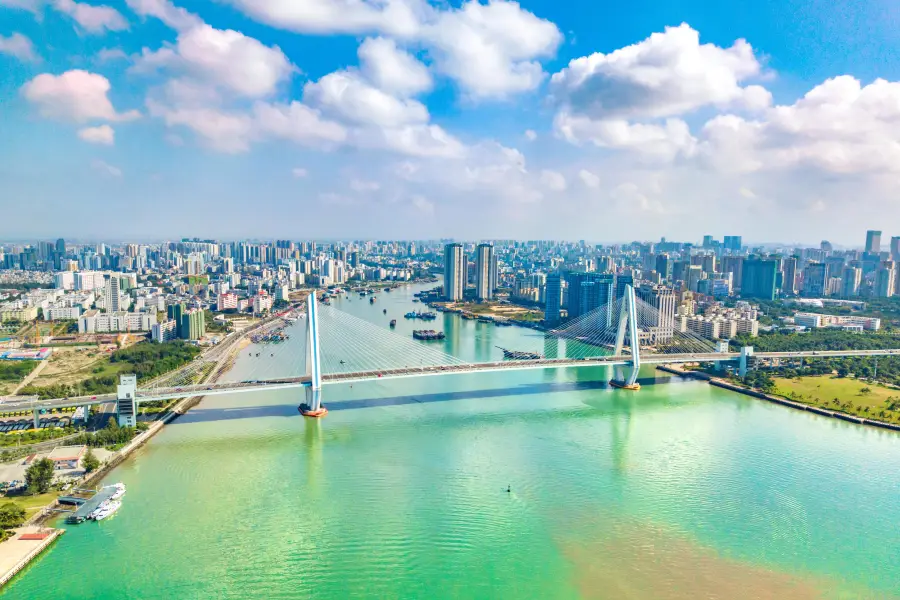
22 548
91 504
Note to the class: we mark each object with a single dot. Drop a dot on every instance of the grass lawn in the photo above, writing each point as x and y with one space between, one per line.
32 504
822 390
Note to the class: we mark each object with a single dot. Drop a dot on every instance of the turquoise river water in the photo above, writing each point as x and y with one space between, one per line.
680 490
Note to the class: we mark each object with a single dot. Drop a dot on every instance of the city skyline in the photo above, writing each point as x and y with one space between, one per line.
151 119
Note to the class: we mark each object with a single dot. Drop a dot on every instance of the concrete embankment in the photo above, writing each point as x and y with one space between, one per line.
17 552
776 399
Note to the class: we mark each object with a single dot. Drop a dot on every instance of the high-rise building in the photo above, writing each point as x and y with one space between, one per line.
193 325
873 241
850 280
707 241
623 280
692 277
885 279
734 265
485 278
661 327
112 294
664 266
454 272
895 248
758 278
789 276
815 278
826 246
553 299
588 291
733 243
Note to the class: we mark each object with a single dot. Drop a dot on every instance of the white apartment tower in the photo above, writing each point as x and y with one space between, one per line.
485 272
454 272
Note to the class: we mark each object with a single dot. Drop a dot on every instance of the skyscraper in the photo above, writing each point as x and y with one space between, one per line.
588 291
553 299
733 243
485 265
662 325
664 266
884 279
850 280
112 294
454 272
758 278
895 248
789 276
735 266
873 241
815 276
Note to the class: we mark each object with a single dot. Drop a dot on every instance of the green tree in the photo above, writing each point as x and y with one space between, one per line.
39 475
11 515
90 461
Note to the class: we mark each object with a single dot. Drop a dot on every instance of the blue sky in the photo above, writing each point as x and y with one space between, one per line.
776 120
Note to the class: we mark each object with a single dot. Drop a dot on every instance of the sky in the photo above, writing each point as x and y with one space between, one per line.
777 120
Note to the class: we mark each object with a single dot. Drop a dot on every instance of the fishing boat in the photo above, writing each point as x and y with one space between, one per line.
385 311
307 411
372 300
393 322
428 335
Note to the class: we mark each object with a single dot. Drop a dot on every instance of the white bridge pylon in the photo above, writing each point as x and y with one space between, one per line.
313 354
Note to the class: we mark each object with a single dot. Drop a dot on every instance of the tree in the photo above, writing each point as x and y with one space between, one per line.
90 462
11 515
865 390
39 475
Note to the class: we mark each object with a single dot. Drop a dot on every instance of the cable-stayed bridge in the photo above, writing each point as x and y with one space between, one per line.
340 348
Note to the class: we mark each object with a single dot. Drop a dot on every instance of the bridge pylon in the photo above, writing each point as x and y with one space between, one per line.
126 403
313 405
628 324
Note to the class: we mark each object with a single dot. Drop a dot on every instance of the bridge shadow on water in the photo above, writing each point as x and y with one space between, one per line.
203 415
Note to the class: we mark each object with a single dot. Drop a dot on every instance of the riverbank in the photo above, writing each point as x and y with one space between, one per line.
721 383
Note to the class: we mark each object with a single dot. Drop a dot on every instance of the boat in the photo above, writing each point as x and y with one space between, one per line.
428 335
108 509
120 491
393 322
520 355
385 311
372 300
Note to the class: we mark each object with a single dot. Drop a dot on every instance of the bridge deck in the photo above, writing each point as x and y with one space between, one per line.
151 394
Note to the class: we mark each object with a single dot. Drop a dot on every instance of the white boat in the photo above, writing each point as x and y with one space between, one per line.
111 507
120 491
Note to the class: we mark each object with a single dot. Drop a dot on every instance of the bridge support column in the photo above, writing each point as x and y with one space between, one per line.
126 405
744 360
313 405
36 414
628 317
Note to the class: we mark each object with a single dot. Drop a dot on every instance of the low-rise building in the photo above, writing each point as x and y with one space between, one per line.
815 321
93 321
67 457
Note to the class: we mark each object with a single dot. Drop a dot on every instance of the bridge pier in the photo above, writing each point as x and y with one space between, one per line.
126 405
313 405
36 414
744 360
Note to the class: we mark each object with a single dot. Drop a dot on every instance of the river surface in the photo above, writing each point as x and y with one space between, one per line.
681 490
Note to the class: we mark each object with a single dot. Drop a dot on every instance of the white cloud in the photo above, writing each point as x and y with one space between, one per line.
103 134
667 74
747 193
223 58
391 69
29 5
19 46
530 135
299 172
553 180
423 205
664 141
840 126
345 95
173 16
229 132
589 179
93 19
75 95
297 122
414 140
358 185
490 49
106 168
111 54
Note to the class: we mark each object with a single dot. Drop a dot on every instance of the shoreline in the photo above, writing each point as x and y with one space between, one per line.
721 383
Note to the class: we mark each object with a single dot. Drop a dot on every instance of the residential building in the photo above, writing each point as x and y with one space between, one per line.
735 266
662 325
789 276
588 291
21 314
553 299
454 272
93 321
815 278
226 301
166 331
885 279
112 300
873 242
758 278
485 274
62 313
193 324
850 281
262 302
